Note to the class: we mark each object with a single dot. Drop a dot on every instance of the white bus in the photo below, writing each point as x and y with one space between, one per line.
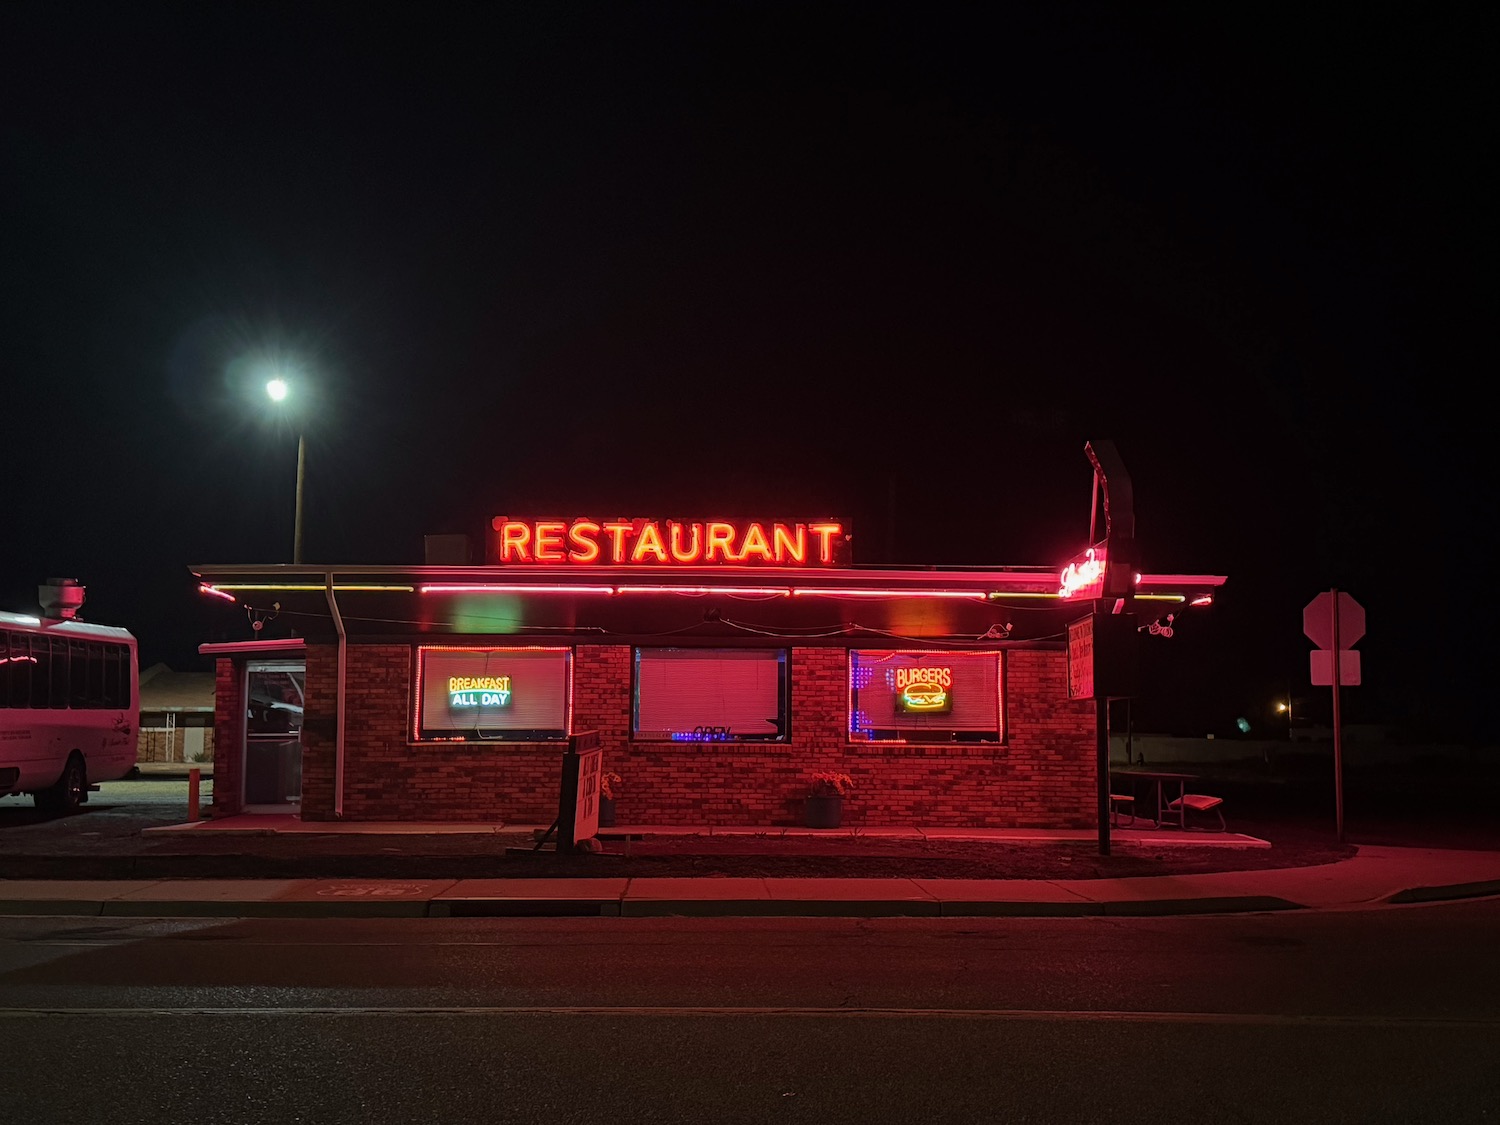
69 708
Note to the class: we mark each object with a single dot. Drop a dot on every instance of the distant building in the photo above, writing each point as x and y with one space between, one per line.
177 716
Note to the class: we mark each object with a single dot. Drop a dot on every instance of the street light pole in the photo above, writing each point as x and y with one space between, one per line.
297 527
278 390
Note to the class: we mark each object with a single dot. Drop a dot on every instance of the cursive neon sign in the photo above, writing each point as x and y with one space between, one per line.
641 542
1083 574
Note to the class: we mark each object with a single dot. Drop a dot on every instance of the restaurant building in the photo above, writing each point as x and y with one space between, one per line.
724 665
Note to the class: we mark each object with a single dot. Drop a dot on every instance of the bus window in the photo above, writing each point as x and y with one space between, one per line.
41 671
19 670
110 685
78 674
118 658
5 668
59 677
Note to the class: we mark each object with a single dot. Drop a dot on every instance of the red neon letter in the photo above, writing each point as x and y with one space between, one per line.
690 554
755 540
825 533
514 535
648 543
720 536
585 546
788 548
616 532
549 541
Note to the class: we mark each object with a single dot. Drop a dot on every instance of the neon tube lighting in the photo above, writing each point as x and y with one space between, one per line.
781 591
214 591
483 588
1202 599
835 592
307 586
1021 594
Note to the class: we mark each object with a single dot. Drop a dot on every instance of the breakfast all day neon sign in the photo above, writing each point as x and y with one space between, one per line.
645 542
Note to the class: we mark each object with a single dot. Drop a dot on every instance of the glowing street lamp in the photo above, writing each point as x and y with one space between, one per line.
1284 707
277 390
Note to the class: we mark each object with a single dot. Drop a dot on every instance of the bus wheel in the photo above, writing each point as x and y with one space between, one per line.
69 792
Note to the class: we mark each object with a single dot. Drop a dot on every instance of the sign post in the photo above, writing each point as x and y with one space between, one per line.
1331 621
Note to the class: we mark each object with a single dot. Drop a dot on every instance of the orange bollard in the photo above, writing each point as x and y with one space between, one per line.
193 793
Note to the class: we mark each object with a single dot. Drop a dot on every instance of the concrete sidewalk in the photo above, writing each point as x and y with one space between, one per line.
289 824
1375 877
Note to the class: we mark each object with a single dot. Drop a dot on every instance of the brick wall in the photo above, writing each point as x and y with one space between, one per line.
229 746
1041 775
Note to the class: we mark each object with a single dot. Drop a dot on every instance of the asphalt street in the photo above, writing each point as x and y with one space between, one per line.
1370 1015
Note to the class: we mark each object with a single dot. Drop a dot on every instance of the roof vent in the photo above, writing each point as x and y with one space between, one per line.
60 598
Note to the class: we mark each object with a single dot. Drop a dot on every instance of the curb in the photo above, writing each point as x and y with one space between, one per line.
646 908
1483 889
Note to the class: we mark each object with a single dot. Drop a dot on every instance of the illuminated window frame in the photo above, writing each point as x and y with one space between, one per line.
415 730
783 705
998 655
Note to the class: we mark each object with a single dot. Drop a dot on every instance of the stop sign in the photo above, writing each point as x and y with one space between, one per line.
1317 620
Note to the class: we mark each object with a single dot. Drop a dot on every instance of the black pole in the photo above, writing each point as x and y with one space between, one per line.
1101 758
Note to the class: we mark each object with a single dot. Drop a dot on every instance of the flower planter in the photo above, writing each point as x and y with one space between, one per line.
824 812
606 812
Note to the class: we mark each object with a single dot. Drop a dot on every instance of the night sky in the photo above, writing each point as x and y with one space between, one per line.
895 263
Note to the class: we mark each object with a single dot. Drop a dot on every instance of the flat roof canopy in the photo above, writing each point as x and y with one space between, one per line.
692 605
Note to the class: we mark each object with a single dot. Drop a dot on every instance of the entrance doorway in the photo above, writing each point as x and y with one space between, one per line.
273 735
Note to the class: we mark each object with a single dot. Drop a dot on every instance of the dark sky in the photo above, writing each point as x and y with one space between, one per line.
673 260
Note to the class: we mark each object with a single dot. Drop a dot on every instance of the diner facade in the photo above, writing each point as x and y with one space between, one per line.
725 665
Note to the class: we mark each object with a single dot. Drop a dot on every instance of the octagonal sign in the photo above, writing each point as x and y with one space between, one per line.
1317 620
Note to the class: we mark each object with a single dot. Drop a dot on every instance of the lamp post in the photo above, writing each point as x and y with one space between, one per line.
277 390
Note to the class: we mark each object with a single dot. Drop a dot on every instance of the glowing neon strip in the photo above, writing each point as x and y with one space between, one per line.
999 594
205 588
482 588
832 592
308 586
770 591
1202 599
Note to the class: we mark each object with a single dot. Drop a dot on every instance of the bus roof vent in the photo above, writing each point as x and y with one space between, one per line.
60 597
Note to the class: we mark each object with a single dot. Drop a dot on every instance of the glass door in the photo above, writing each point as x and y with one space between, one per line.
273 734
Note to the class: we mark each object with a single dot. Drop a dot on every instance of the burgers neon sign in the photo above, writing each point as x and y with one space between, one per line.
924 690
640 542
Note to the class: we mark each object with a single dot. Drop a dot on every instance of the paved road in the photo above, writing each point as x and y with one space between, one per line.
1360 1016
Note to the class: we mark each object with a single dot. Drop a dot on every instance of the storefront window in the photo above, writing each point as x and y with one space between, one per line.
492 694
924 696
710 695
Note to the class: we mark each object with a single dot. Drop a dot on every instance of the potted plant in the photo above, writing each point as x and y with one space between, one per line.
825 799
608 784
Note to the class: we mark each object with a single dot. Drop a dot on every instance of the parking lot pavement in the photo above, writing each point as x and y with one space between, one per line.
120 809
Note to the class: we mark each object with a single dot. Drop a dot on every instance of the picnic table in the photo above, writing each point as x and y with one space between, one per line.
1159 780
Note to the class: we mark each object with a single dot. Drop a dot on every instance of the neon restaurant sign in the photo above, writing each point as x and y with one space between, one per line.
645 542
478 691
